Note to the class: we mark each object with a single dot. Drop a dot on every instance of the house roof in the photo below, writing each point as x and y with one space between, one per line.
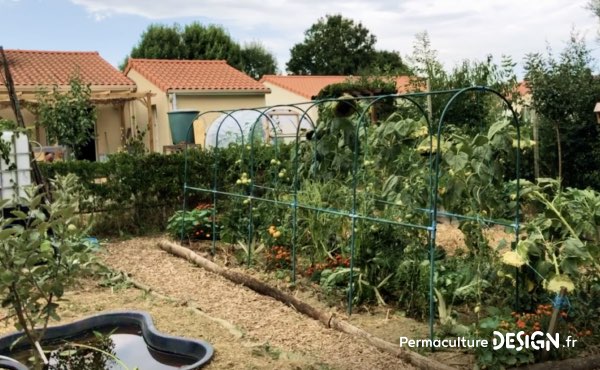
195 75
523 89
309 86
36 68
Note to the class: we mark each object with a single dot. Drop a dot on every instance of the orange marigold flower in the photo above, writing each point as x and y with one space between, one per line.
520 324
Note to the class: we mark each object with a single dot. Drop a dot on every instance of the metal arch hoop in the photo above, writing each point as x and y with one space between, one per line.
435 197
434 170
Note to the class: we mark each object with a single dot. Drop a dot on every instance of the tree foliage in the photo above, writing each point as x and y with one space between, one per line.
257 61
68 117
159 42
198 42
42 251
338 46
564 91
472 111
210 42
594 6
388 63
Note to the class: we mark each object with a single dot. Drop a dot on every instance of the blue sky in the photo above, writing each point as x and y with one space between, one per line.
459 29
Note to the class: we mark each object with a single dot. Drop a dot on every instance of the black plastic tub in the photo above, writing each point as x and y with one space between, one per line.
200 351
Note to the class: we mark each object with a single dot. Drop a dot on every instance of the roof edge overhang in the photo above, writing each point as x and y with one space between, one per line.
94 88
218 92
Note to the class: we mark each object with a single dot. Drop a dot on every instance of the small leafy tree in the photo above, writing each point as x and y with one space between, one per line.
68 117
564 91
42 251
473 111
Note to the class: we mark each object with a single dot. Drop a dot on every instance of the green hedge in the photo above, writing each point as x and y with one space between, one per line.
136 194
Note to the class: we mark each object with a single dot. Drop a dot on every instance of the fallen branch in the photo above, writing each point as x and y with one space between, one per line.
327 319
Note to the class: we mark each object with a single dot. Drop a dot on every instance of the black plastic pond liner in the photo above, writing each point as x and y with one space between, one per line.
10 364
198 350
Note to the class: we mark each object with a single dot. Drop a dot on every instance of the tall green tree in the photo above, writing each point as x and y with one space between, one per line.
159 42
338 46
257 61
594 6
210 42
198 42
387 63
564 92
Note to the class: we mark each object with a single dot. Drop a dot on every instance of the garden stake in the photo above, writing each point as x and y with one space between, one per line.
556 307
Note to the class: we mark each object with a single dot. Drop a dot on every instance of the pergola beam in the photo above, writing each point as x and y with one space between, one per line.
148 102
97 97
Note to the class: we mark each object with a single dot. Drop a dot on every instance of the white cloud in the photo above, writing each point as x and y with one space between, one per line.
458 29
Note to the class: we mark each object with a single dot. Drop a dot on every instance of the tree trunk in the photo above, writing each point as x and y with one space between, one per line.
536 147
327 319
559 149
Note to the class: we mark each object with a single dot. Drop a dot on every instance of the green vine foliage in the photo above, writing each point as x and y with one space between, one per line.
68 116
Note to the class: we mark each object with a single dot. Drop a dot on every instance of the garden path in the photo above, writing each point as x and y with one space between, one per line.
275 335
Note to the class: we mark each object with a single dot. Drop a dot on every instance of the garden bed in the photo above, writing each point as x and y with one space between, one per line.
274 336
278 335
265 319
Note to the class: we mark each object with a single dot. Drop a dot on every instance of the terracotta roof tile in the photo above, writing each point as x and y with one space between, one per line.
33 68
523 89
208 75
309 86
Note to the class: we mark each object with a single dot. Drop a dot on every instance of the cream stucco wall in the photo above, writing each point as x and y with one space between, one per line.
163 103
108 129
281 96
160 105
29 118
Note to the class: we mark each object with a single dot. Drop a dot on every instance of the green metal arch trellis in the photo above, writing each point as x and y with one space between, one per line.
294 205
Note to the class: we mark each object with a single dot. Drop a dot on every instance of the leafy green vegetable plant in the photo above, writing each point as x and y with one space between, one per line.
43 250
194 224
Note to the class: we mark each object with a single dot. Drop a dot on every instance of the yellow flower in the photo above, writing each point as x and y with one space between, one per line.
559 281
513 258
420 132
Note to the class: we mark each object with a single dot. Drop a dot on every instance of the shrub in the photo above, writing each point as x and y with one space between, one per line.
42 251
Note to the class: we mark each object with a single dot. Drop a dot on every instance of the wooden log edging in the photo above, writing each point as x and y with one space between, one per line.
326 319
